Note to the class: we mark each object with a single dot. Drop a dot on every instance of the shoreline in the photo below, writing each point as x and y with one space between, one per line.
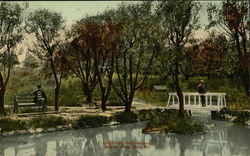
72 117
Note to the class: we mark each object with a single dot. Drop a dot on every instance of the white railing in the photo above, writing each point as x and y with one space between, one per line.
213 101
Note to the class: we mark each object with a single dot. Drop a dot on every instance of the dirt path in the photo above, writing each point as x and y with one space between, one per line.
74 112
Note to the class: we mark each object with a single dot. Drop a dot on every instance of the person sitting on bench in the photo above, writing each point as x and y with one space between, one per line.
40 97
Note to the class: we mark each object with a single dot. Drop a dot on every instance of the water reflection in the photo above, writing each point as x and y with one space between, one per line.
224 139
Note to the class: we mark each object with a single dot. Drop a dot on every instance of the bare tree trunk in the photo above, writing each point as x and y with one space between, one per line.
89 95
3 85
88 92
128 106
244 76
57 93
106 93
57 87
243 67
178 89
179 94
104 103
2 90
2 95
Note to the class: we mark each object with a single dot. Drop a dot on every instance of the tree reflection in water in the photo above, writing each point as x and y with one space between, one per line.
224 139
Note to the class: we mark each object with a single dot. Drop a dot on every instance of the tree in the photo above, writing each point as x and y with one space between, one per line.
136 51
80 61
178 21
30 62
92 51
232 19
109 38
47 27
11 18
210 56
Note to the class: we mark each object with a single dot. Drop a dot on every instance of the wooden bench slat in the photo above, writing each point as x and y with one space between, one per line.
25 101
25 96
28 104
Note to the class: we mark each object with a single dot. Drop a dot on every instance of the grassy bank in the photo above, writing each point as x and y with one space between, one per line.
55 122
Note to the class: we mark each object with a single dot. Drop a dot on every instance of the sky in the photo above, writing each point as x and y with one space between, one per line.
75 10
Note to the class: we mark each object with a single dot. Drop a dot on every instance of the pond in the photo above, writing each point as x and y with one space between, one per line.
222 139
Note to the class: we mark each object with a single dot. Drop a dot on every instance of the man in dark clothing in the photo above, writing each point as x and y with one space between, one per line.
40 97
201 90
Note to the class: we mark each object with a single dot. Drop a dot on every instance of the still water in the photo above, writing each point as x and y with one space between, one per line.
222 139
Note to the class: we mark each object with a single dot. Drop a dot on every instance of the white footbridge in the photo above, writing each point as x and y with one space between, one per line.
193 101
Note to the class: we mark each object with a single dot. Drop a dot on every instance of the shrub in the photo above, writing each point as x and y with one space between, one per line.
125 117
169 121
7 112
46 122
7 124
147 114
92 121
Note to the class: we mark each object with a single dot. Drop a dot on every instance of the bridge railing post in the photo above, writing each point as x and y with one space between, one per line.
178 101
184 100
224 97
189 100
210 100
169 98
173 100
206 100
218 102
199 104
195 99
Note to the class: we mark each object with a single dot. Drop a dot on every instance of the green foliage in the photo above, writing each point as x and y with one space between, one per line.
7 112
7 124
91 121
47 122
72 92
44 22
8 60
125 117
144 115
152 97
169 121
11 32
30 62
152 80
178 21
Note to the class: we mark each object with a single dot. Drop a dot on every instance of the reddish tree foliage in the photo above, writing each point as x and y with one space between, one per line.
209 57
90 55
235 13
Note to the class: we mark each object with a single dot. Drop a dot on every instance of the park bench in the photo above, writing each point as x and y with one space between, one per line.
25 100
160 88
